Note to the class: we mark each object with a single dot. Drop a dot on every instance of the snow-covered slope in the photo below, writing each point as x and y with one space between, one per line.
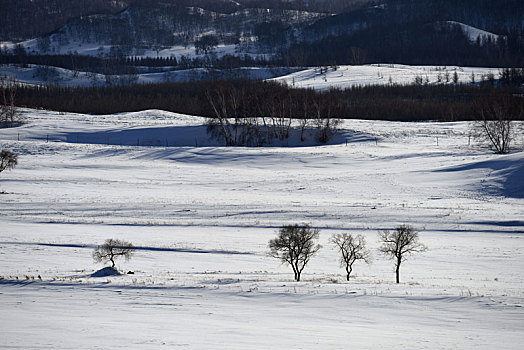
382 74
201 218
473 33
44 75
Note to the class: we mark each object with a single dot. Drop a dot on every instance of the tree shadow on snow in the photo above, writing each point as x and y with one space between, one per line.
196 136
139 248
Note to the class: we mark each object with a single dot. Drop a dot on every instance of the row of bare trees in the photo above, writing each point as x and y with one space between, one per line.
243 116
297 244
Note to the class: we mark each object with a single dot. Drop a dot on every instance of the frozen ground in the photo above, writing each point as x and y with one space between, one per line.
201 216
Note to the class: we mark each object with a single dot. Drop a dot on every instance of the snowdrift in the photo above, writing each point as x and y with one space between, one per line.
503 176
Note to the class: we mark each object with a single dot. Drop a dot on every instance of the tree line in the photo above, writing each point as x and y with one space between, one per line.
131 65
264 99
83 62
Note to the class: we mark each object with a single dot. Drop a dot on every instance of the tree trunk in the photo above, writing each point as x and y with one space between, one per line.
397 271
349 268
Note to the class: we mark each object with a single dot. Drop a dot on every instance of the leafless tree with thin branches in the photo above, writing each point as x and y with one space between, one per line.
8 160
295 245
399 244
495 124
112 249
351 248
9 113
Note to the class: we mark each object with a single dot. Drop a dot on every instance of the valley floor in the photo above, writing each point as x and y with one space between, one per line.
201 216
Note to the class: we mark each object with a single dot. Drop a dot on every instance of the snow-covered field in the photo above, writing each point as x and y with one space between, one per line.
201 216
383 74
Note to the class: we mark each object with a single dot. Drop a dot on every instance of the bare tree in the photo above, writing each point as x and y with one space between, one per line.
8 160
352 248
400 243
305 120
295 245
9 114
357 55
324 119
112 249
495 125
229 122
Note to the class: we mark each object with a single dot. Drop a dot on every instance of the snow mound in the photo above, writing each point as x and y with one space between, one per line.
502 176
106 271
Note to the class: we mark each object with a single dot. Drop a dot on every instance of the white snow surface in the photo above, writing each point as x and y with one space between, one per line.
201 217
382 74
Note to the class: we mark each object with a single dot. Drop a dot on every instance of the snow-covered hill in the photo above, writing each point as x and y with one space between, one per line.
201 218
45 75
319 78
341 77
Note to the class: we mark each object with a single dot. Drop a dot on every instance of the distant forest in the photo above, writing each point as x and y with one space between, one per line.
295 33
271 33
28 19
417 32
247 98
